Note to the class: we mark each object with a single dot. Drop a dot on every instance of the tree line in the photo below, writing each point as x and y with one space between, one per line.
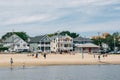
112 40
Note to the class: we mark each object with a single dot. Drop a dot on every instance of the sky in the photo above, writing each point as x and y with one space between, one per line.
37 17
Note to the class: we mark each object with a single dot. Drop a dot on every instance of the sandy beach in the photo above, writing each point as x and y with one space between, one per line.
56 59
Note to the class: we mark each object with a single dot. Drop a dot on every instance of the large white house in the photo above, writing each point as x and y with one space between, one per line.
61 43
40 43
15 43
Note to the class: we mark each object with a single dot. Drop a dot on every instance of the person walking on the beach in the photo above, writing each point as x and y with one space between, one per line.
99 57
44 55
36 56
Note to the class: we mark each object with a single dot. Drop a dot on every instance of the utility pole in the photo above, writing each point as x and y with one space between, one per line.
13 40
99 41
82 53
114 44
99 38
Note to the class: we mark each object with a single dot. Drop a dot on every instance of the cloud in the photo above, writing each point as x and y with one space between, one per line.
117 8
99 27
52 15
29 19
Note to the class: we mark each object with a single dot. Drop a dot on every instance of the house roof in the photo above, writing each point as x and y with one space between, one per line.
1 41
82 39
88 45
39 38
59 36
12 38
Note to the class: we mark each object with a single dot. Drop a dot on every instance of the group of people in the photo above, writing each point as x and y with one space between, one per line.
36 55
99 56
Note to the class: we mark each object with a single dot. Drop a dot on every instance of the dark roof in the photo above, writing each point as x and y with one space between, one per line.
82 39
54 37
38 38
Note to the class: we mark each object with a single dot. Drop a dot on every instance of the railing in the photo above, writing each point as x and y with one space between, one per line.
44 45
64 42
66 48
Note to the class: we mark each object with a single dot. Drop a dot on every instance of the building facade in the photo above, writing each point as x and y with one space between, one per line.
84 45
61 43
87 48
40 43
80 40
15 43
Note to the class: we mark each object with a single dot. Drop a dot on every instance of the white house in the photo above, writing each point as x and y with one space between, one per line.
61 43
40 43
15 43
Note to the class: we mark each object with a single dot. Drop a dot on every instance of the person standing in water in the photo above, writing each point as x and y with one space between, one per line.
11 62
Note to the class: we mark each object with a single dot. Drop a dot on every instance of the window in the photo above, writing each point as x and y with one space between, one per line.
54 40
42 42
66 45
18 45
24 45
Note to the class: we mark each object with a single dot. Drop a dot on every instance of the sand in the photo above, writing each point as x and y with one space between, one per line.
56 59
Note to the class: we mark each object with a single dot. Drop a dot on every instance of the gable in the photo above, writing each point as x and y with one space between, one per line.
21 41
13 38
45 39
41 38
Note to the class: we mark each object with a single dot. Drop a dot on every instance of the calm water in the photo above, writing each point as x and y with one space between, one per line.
73 72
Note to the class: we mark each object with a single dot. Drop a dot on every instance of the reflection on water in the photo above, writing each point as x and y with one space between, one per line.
73 72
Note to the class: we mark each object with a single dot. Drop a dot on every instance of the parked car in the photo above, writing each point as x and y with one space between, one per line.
39 51
104 51
22 50
112 52
118 52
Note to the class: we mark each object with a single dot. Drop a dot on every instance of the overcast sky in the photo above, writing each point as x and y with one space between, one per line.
36 17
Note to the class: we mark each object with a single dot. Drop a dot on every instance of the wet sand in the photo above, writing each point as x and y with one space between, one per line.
56 59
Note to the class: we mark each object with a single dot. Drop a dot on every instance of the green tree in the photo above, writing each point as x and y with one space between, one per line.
3 48
111 40
99 41
53 34
71 34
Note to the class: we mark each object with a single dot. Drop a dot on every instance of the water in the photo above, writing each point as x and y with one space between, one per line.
73 72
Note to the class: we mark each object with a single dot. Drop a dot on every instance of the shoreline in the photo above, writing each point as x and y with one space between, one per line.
21 60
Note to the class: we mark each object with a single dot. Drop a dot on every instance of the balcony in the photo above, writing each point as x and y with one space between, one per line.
66 42
66 48
45 45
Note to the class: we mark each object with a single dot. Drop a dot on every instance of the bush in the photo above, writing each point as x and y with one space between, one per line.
3 48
